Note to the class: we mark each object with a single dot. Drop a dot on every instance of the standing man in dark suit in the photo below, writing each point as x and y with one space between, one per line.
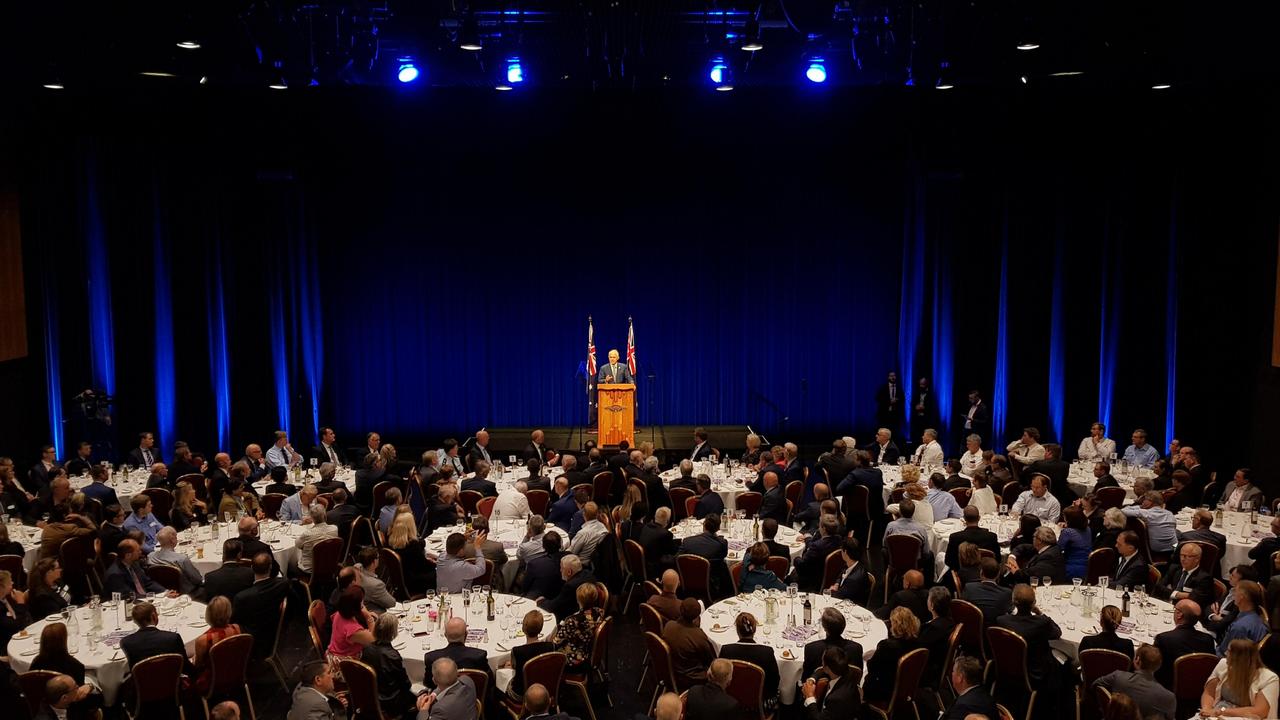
372 470
837 464
1187 580
976 418
890 400
842 699
715 549
537 450
145 455
865 473
256 609
328 450
971 697
988 595
774 503
709 700
924 407
972 533
658 543
701 446
792 465
614 371
1183 639
149 641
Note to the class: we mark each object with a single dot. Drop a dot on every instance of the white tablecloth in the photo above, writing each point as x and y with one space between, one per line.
107 665
344 476
717 622
125 488
277 535
740 536
1003 526
1233 524
726 483
1065 606
1081 479
419 634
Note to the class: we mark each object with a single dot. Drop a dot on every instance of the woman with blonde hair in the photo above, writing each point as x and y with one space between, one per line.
187 510
419 576
576 636
752 455
629 500
646 449
924 511
1240 686
882 668
218 614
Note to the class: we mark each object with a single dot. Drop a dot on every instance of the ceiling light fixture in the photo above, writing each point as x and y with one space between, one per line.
189 45
751 41
1028 45
469 36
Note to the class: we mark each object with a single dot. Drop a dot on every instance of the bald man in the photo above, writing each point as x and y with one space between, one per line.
667 603
614 371
479 450
912 596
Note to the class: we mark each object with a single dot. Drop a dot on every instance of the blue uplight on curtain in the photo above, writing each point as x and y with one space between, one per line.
1171 327
943 356
1057 345
166 392
52 362
279 350
1108 338
101 334
911 304
1000 385
311 334
219 365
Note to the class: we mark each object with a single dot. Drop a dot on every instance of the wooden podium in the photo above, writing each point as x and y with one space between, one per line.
615 413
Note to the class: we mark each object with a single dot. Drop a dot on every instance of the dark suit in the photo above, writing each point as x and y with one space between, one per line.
481 485
565 602
700 452
777 549
981 419
12 623
1173 644
321 457
980 536
813 654
1105 481
715 549
1261 556
342 514
78 466
101 492
837 468
812 562
709 702
889 406
476 454
924 410
759 654
954 482
1108 640
137 459
256 609
708 503
891 453
656 491
1131 572
1037 630
366 479
542 577
1049 562
808 516
394 693
659 548
618 374
535 452
467 658
151 641
935 635
974 701
882 668
1199 585
121 579
854 585
992 599
840 703
873 480
251 546
917 601
774 505
228 580
685 481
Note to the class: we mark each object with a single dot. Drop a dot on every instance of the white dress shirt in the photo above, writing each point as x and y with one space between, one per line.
1025 454
970 462
1101 450
930 454
511 503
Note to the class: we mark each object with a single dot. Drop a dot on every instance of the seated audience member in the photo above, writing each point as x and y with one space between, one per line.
313 698
46 595
533 646
455 571
218 615
126 576
853 584
418 572
709 502
1162 527
142 520
746 648
149 640
1240 685
256 609
1186 579
1046 560
190 581
1140 684
667 603
1038 630
988 595
1113 523
232 576
575 636
971 697
711 700
833 626
757 573
882 668
1074 542
1107 639
457 650
691 650
395 696
351 625
567 600
1185 638
542 577
1038 501
912 596
1248 623
61 696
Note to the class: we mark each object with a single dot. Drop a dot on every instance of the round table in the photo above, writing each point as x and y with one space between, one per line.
205 551
1064 605
345 476
739 533
1004 526
1241 536
125 488
29 537
861 625
727 483
1082 482
106 664
509 532
420 634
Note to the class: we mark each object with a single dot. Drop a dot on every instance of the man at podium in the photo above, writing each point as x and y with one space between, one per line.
615 372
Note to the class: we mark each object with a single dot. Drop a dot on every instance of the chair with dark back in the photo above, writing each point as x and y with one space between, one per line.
273 659
538 501
633 557
650 588
326 560
663 671
638 484
971 620
695 576
906 681
1101 699
167 575
779 566
161 503
32 683
747 687
1003 712
362 689
380 496
1219 590
318 625
690 506
1139 526
679 504
485 506
547 670
1102 563
582 681
1190 674
943 682
1110 497
229 665
158 680
480 679
832 569
794 491
469 500
270 504
1098 662
393 573
13 564
1011 680
361 535
903 553
602 488
1208 555
650 621
962 496
735 572
485 577
749 503
1009 494
857 507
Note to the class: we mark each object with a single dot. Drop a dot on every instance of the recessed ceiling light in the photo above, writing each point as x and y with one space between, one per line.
723 88
189 45
204 79
54 86
1028 45
278 86
1067 73
154 73
1161 86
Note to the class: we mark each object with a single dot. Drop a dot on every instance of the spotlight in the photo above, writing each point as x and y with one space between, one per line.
469 36
1161 86
515 71
189 45
751 38
279 84
1029 45
721 74
944 77
817 71
54 86
408 72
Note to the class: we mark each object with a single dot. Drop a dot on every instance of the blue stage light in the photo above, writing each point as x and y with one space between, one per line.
515 72
718 71
817 71
407 73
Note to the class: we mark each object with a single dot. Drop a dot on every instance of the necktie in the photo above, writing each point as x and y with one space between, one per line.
137 583
146 457
332 457
893 393
485 452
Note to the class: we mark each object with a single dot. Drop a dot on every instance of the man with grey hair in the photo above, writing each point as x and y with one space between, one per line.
511 502
971 461
711 700
531 546
294 508
457 651
669 706
883 450
686 479
1162 526
658 543
480 482
318 530
248 529
588 537
328 483
165 553
929 452
1042 559
454 697
656 491
566 602
792 468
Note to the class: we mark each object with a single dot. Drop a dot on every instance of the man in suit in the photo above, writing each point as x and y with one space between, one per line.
701 446
60 699
377 599
256 609
977 417
251 546
565 603
715 549
953 478
768 535
811 563
1152 699
562 507
457 651
883 450
988 595
658 543
328 450
1261 553
232 577
792 465
912 596
614 371
853 584
708 502
774 503
668 603
218 477
454 697
972 533
1183 639
1057 470
837 464
542 577
42 472
98 489
372 469
126 577
924 406
1038 630
842 699
1048 560
112 531
1131 567
808 515
1202 531
686 479
149 641
537 450
890 401
595 465
1187 580
342 512
710 700
572 475
768 463
256 462
313 697
1242 490
145 455
833 625
971 697
80 464
1102 476
537 705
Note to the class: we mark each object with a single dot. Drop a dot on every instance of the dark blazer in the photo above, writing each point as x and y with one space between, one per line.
101 492
45 603
813 654
934 635
840 702
1186 497
917 601
520 654
776 549
467 658
137 460
110 535
366 479
659 547
761 655
120 580
77 466
149 642
709 702
251 546
1261 556
715 549
1105 481
1173 644
855 586
813 561
873 480
530 452
808 516
685 481
1133 574
12 623
342 514
1050 562
1106 538
565 602
256 609
882 668
1037 630
1199 585
228 580
656 491
710 502
703 453
1108 640
891 452
394 693
992 599
980 536
774 505
542 577
975 701
318 453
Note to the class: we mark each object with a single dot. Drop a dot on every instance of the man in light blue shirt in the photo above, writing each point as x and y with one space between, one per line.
1248 624
453 572
1038 501
943 502
388 511
1162 526
904 525
143 521
1140 453
282 453
294 508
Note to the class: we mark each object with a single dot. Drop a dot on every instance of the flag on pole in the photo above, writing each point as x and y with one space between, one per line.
591 354
631 347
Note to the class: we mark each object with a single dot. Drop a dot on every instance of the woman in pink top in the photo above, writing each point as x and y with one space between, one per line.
352 627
